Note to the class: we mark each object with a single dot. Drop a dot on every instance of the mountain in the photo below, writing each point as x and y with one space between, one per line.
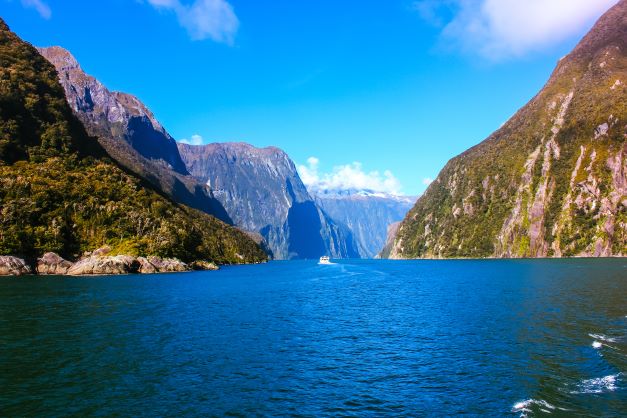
62 193
366 214
552 181
389 240
262 192
130 134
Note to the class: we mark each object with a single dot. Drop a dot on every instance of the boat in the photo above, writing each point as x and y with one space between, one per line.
325 260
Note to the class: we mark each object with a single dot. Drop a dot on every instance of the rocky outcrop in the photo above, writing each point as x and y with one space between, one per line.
52 263
130 134
366 214
548 183
262 192
13 266
203 265
104 265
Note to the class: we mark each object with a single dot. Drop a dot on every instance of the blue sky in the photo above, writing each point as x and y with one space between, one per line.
380 93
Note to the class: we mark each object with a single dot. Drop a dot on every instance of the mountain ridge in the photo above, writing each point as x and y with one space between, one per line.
130 134
62 193
551 181
261 190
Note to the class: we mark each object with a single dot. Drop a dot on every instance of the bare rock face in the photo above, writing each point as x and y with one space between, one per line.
13 266
366 214
151 265
145 267
52 263
262 192
168 265
97 265
130 134
551 181
203 265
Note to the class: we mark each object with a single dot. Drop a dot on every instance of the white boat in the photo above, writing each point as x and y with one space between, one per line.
325 260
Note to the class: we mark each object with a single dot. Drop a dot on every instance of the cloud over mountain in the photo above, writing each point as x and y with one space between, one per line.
498 29
347 177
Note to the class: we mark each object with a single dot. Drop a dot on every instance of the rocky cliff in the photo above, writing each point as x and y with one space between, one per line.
366 214
262 192
552 181
60 191
130 133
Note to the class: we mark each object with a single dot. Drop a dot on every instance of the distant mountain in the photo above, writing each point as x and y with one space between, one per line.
129 132
61 192
366 214
552 181
262 192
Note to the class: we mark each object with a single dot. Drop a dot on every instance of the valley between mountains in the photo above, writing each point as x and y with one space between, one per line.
91 176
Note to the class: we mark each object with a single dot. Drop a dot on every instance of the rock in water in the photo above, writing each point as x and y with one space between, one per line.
145 267
203 265
168 265
96 265
52 263
13 266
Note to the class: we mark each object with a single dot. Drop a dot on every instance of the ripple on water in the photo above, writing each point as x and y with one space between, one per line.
598 385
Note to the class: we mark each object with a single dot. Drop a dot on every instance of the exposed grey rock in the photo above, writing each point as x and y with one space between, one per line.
389 241
145 267
130 134
13 266
203 265
262 192
168 265
96 265
52 263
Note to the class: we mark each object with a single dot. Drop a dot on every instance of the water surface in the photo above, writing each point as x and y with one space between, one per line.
359 338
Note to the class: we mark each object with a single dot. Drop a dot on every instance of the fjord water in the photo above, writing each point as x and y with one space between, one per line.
361 338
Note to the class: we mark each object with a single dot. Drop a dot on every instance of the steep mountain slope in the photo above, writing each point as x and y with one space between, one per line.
550 182
366 214
60 192
129 132
263 193
389 240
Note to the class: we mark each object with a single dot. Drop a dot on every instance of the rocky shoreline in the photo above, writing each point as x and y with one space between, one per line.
98 263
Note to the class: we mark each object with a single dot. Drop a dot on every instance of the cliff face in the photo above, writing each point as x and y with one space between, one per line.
367 215
552 181
60 192
262 192
130 134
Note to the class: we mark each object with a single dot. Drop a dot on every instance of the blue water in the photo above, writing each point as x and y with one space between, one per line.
359 338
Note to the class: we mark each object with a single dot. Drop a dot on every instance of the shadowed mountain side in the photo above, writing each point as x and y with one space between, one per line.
130 134
366 214
262 192
61 193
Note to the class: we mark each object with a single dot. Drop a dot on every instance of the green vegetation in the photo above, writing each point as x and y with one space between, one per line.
59 191
487 202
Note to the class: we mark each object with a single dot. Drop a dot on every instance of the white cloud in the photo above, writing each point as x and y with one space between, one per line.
42 8
347 177
195 140
427 181
203 19
498 29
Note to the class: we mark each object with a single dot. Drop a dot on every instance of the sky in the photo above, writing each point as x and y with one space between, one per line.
360 94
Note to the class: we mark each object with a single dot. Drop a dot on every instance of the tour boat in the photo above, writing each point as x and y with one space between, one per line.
324 260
